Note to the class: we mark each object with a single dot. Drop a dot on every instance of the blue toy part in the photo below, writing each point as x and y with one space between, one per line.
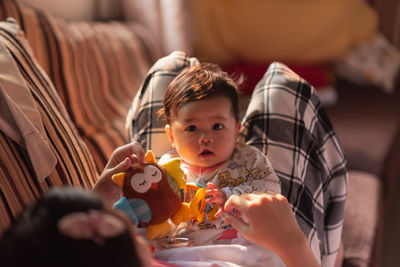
136 209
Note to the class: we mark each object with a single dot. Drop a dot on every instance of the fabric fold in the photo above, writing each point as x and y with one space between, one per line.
19 118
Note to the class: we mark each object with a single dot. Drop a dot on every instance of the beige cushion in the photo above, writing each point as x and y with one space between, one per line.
289 31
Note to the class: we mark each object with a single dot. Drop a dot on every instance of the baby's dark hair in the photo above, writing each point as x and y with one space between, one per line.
35 239
199 82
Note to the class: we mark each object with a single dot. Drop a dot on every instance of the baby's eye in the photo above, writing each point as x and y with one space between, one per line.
191 128
218 126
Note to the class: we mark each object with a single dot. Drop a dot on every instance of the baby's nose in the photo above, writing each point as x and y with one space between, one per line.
205 138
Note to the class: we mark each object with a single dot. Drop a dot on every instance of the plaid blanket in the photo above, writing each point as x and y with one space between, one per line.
284 120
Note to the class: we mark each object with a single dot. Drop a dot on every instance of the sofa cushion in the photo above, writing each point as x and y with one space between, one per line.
35 28
289 31
19 185
100 67
361 216
96 67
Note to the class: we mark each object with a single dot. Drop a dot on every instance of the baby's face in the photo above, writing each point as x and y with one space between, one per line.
204 132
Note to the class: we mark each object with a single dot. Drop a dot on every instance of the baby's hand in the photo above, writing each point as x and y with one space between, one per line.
216 196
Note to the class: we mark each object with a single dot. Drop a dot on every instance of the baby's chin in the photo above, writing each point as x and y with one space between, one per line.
208 165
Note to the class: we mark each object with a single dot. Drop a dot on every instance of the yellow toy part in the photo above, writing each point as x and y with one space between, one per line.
184 214
211 214
192 186
119 179
198 204
149 156
173 168
158 230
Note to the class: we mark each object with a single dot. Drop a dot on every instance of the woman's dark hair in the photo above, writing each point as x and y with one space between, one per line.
199 82
34 238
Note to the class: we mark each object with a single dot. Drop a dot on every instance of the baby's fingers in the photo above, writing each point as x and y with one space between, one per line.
212 192
212 199
211 186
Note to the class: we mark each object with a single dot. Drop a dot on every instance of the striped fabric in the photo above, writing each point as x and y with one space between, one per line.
18 184
285 120
100 68
36 32
96 67
83 76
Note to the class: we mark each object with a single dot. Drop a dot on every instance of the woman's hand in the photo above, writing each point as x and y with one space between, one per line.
120 160
270 223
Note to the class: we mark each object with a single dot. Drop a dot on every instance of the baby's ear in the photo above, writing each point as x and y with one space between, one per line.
238 127
168 131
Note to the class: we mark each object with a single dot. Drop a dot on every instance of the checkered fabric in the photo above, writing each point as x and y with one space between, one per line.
142 123
284 120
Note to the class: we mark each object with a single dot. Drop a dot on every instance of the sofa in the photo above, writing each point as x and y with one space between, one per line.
367 121
82 77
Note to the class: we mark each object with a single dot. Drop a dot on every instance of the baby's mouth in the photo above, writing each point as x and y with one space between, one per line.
206 152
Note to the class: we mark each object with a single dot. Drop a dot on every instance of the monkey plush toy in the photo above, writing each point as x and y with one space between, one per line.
151 195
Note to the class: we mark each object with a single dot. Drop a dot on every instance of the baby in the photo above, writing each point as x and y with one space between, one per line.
201 115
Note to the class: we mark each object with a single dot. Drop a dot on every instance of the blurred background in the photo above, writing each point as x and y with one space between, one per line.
347 49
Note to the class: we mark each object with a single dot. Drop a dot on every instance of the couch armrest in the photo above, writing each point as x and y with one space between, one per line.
389 18
362 219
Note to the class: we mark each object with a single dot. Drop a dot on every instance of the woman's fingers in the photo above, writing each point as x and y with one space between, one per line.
235 203
219 212
137 152
133 151
238 224
122 166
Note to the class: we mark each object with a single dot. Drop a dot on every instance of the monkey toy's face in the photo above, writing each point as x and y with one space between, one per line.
145 180
149 182
142 182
